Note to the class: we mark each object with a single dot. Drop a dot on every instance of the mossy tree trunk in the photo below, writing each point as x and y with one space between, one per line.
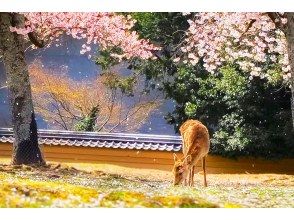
25 147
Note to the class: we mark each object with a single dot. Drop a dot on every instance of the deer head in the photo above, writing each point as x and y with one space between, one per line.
180 169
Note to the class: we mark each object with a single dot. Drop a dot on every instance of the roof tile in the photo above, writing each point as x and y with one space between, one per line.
102 140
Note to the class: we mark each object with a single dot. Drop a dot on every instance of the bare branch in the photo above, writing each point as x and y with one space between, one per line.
110 108
60 124
57 98
130 114
60 115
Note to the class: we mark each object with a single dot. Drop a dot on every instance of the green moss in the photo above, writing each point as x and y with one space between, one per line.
17 191
183 202
66 187
125 199
134 199
20 192
232 205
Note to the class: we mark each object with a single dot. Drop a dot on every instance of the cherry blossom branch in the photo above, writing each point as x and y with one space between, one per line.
276 19
105 29
34 39
247 39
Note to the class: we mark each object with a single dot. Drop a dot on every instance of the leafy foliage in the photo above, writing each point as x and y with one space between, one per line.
88 123
125 84
244 117
104 60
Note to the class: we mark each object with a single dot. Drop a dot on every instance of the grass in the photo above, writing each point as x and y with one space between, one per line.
86 185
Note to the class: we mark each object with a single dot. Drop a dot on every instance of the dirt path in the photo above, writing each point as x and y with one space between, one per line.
149 175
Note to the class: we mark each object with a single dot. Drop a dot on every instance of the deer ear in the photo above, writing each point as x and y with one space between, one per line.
175 157
188 159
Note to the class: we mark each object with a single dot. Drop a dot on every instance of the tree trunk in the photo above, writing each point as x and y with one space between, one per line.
290 40
25 147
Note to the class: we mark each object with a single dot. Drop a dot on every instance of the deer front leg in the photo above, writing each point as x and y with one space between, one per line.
185 182
190 176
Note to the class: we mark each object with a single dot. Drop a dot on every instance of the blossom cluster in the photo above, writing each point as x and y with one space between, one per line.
105 29
250 40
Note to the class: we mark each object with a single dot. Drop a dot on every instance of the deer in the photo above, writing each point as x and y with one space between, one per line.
196 146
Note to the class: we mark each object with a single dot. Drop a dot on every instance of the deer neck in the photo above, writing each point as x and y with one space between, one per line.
188 165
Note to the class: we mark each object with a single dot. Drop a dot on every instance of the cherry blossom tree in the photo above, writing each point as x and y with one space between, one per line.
109 30
260 43
105 29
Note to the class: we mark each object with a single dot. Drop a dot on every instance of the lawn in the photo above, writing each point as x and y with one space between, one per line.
88 185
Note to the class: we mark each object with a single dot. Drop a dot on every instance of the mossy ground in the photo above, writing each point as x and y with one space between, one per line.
110 186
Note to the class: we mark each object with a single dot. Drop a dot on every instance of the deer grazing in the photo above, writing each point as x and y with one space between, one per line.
196 145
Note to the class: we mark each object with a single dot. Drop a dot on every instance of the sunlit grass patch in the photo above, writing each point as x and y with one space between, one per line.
184 202
61 185
18 192
134 199
232 205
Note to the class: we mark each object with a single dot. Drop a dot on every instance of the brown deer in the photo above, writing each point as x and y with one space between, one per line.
196 145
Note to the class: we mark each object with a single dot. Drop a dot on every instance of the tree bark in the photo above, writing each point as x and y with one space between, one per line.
290 40
25 147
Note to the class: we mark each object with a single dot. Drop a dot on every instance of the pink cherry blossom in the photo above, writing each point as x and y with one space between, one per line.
248 39
105 29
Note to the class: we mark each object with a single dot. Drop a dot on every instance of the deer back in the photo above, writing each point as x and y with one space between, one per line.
195 138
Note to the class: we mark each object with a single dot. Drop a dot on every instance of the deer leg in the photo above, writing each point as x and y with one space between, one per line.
193 171
190 177
204 171
186 181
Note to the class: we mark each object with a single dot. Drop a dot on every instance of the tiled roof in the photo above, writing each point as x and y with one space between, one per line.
102 140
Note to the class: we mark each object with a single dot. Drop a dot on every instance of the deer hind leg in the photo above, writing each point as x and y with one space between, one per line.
204 170
192 175
188 179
